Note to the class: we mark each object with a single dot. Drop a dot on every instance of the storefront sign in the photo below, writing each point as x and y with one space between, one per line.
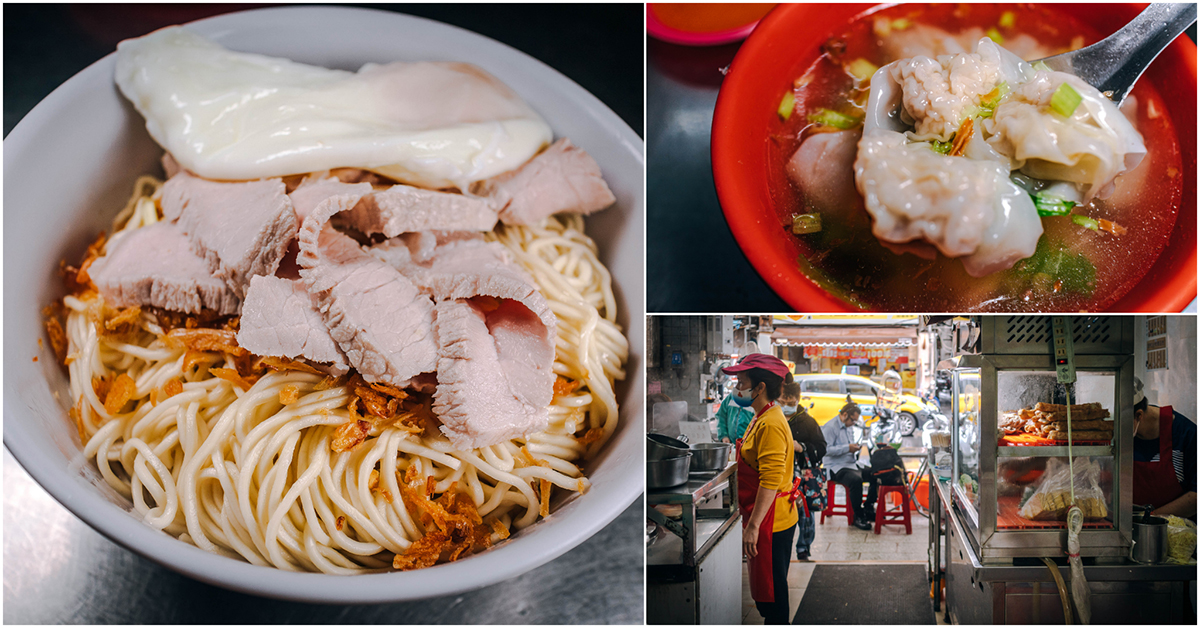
894 355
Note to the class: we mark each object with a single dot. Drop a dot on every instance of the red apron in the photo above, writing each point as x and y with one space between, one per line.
762 579
1154 483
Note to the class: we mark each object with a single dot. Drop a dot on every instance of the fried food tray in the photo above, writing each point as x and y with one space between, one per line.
1030 440
1008 519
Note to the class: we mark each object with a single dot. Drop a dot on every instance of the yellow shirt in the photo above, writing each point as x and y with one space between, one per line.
767 448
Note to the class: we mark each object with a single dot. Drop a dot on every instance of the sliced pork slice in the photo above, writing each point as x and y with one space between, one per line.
241 229
562 178
376 315
312 193
279 318
487 391
155 266
421 247
406 209
463 267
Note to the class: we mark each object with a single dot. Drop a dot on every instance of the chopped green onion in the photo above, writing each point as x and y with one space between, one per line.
989 102
828 117
1101 224
1052 263
1040 65
1065 100
994 35
1084 221
787 105
806 223
900 24
1075 271
1007 19
861 69
1050 205
992 98
942 147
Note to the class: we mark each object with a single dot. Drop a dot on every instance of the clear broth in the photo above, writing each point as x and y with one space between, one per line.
847 259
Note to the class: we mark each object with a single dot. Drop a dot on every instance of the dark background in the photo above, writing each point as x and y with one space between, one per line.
697 265
601 581
597 46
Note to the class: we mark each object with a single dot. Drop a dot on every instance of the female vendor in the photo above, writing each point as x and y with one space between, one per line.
766 484
1164 457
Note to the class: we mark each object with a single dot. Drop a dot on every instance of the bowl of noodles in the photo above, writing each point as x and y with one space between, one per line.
915 223
75 161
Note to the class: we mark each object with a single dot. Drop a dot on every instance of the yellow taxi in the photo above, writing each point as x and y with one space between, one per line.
826 393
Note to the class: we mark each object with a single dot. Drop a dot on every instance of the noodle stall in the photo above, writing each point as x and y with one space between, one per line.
1014 476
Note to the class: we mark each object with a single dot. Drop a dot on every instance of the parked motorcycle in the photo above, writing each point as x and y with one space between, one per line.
936 422
942 384
887 421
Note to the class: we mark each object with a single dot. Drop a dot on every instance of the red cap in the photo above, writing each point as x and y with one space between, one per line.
759 361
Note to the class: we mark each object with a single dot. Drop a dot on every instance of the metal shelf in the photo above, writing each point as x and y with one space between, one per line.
685 541
1047 451
698 488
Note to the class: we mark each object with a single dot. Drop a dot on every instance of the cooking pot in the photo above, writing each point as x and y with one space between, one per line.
659 447
710 456
667 472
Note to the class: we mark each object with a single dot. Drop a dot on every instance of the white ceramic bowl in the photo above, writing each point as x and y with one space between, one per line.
69 166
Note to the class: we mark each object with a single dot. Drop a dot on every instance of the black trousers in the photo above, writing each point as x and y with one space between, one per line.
781 558
852 479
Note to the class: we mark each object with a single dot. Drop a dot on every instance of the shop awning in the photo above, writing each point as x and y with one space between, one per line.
845 336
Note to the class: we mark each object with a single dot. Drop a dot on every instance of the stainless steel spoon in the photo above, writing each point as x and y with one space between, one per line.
1114 64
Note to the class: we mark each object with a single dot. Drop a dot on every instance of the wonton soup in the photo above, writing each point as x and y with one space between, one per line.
924 165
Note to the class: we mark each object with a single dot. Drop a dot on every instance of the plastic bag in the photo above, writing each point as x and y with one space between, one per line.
1181 540
1052 498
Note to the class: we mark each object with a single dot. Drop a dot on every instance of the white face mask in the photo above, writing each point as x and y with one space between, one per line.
790 409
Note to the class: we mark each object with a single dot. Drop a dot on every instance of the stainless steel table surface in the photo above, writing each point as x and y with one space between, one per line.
58 570
693 262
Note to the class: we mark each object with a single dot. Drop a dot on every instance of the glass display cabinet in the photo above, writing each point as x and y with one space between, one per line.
1012 489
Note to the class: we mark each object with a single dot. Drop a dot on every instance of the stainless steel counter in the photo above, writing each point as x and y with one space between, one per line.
693 569
699 528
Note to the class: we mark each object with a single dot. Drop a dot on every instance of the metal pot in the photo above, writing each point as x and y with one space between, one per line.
710 456
667 472
659 447
1149 540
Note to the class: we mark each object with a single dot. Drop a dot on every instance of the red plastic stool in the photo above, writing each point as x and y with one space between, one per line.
885 516
832 508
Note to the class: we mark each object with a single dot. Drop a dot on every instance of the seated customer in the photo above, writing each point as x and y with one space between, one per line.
887 469
841 459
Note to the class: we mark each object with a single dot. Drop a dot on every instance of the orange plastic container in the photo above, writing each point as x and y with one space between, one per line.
922 492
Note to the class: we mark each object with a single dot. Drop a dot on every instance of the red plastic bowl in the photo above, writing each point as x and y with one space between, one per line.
659 30
764 68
